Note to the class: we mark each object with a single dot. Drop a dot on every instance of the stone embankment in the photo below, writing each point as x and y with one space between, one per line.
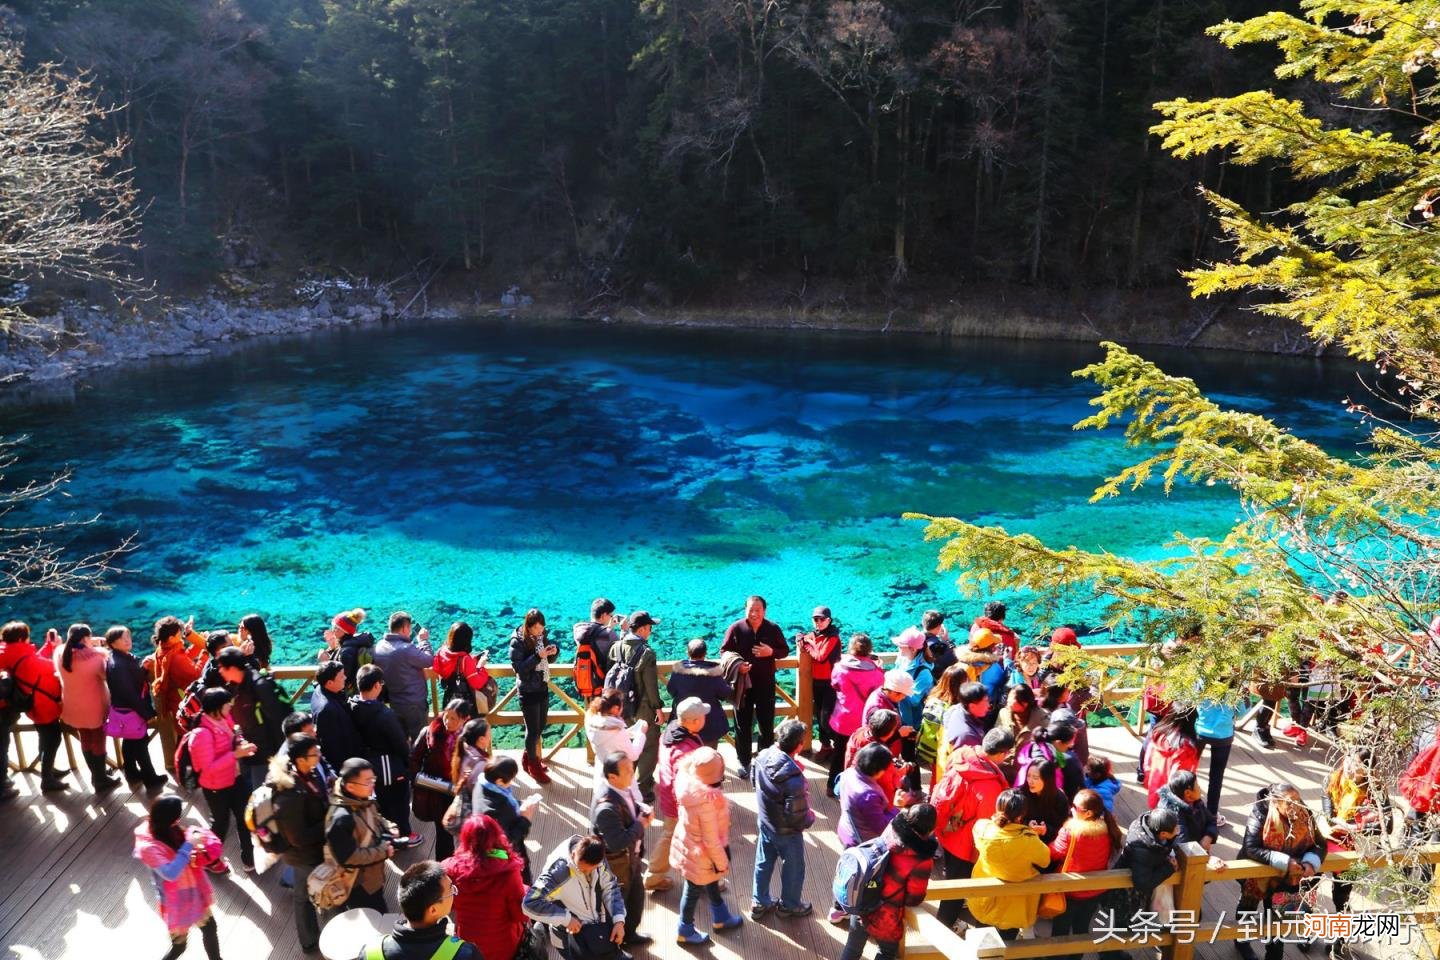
80 337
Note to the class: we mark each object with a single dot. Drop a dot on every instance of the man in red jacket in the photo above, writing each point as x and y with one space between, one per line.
967 792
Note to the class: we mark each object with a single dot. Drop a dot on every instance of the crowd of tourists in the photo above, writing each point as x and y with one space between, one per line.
970 753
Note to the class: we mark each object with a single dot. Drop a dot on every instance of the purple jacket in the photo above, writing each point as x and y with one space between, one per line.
865 811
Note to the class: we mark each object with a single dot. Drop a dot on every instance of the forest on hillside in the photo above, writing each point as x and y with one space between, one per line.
615 146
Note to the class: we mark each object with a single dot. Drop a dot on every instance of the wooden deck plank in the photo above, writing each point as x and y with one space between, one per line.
74 889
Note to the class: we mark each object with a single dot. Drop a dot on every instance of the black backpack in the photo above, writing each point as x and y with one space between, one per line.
621 676
185 770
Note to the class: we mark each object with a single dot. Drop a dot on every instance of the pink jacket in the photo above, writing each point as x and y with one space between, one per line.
185 894
701 832
84 694
212 750
854 680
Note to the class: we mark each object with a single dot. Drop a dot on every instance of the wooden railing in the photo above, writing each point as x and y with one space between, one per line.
795 702
927 936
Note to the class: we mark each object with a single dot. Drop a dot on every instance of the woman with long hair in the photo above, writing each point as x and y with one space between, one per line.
1088 841
1174 745
531 654
1054 742
179 653
1281 833
468 762
462 674
130 709
85 700
1048 805
433 754
178 858
254 632
486 871
855 677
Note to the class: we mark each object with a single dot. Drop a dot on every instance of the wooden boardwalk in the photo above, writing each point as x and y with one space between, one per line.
69 888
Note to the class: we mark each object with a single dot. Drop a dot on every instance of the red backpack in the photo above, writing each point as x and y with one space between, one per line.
1421 780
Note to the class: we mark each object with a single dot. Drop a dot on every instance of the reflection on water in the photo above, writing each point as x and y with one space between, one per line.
474 470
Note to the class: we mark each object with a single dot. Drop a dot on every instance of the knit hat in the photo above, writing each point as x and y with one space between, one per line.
345 624
911 638
899 681
982 638
1064 637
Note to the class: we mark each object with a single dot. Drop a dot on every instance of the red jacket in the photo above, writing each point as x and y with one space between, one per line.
821 647
447 661
907 877
1006 635
1091 840
35 675
487 910
1167 754
965 795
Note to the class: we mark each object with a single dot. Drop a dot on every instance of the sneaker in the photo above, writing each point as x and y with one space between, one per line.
218 868
9 791
837 916
1139 775
247 865
758 910
659 884
1265 740
744 773
413 839
803 909
1220 820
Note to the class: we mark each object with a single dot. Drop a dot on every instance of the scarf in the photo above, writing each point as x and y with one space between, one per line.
1283 833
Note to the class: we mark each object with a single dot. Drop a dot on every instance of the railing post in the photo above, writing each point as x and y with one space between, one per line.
1189 895
805 696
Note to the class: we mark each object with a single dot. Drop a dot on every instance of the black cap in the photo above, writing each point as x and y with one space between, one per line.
641 618
820 612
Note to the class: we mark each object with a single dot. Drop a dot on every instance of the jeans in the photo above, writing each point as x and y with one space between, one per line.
955 869
138 765
1078 916
534 706
1219 758
855 943
823 696
790 851
758 705
307 922
223 805
690 899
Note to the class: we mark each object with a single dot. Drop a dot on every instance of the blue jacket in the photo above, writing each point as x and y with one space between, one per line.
913 706
404 663
781 794
1215 720
1108 790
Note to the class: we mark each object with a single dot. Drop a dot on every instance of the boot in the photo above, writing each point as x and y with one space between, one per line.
722 919
689 936
1274 950
100 778
538 772
51 780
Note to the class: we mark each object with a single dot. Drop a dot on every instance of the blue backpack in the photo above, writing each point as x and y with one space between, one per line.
858 876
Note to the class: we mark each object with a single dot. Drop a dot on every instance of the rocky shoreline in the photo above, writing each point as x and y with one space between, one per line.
80 338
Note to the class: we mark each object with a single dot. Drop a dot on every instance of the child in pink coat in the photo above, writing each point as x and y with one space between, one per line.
177 858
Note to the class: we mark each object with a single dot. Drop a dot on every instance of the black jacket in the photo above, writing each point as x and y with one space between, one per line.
1146 856
780 789
529 678
300 814
515 827
612 820
259 711
354 649
404 943
1195 819
1252 846
704 680
742 640
126 680
384 739
339 740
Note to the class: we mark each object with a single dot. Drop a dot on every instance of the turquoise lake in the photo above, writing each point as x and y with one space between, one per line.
473 470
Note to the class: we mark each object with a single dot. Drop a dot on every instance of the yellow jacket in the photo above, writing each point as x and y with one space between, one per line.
1011 853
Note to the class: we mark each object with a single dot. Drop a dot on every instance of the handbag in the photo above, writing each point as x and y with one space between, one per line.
592 942
535 944
330 884
1053 904
459 810
125 724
